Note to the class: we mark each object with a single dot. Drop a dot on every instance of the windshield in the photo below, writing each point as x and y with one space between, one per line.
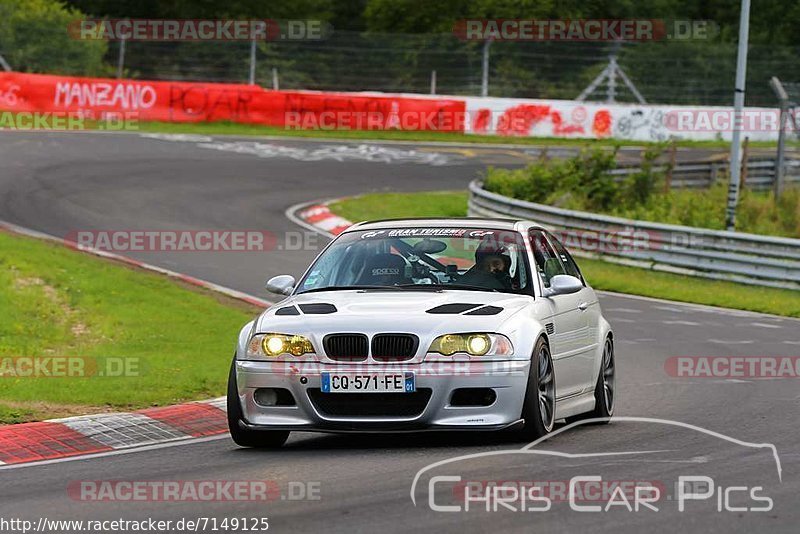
423 258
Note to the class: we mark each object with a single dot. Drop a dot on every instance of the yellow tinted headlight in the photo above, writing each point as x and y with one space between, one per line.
475 344
478 344
273 345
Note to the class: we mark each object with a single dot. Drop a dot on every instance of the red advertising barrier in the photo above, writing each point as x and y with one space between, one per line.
200 102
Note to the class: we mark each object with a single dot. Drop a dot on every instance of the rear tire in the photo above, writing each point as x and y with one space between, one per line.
604 389
261 439
539 406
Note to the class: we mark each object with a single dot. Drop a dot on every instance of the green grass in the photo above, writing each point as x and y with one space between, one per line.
757 212
600 274
623 279
231 128
9 415
387 205
57 302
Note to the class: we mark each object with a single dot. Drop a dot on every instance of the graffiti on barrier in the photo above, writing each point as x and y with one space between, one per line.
543 119
640 123
520 121
209 102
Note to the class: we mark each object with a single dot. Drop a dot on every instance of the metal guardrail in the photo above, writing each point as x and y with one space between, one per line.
747 258
703 174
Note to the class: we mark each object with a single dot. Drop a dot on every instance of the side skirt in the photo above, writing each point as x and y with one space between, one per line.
575 405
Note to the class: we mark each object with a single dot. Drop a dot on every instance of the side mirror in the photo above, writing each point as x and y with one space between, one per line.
563 284
282 284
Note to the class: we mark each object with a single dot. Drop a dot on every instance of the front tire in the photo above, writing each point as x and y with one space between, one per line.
604 389
539 406
261 439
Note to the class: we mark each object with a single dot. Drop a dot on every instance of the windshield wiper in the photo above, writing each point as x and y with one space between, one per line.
338 288
402 287
440 287
411 287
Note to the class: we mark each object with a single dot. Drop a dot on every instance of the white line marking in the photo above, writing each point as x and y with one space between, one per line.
671 309
695 460
731 341
765 325
219 403
685 323
699 307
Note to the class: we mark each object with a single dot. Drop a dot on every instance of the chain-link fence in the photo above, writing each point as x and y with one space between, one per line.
667 72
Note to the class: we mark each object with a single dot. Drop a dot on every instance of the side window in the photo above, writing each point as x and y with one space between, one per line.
566 258
547 263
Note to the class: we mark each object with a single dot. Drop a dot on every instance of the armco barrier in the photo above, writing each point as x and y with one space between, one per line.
249 104
748 258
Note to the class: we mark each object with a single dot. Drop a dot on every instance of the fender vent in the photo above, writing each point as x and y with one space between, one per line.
550 327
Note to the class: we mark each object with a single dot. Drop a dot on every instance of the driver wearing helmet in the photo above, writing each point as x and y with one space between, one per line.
491 269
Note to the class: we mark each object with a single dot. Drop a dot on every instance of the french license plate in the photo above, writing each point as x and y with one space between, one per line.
368 383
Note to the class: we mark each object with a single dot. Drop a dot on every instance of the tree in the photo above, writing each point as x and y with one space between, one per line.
34 38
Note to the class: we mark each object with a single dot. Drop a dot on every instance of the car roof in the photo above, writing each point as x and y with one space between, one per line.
444 222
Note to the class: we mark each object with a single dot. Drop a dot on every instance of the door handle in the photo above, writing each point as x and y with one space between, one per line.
583 305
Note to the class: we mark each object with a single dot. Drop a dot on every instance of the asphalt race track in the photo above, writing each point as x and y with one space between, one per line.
59 183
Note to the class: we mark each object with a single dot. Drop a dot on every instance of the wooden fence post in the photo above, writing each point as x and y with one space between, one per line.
745 155
673 155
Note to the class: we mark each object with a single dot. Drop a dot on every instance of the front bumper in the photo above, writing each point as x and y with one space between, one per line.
508 379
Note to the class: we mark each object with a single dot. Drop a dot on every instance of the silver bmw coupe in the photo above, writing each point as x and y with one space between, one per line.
425 324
